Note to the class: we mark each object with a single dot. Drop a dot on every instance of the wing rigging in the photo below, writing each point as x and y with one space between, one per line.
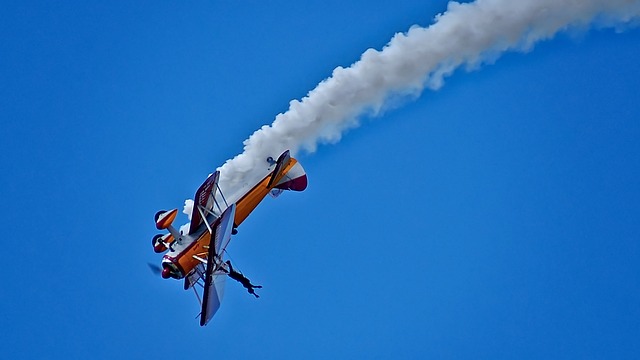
194 276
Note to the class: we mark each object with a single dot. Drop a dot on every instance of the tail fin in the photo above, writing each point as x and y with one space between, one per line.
295 179
281 164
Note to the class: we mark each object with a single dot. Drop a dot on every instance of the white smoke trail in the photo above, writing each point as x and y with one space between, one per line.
467 34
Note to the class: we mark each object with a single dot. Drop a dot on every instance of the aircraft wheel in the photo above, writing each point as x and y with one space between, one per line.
154 241
157 246
158 214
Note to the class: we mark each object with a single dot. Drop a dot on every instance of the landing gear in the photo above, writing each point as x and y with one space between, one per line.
157 215
157 244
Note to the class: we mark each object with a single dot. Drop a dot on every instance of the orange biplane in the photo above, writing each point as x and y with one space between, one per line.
194 252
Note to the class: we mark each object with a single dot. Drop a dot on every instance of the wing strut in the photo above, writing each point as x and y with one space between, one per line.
202 200
204 217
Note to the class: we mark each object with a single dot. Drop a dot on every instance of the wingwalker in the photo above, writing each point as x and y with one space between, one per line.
190 252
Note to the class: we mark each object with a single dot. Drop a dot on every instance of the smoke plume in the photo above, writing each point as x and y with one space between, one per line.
465 35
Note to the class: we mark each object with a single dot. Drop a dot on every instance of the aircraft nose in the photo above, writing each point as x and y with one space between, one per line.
166 273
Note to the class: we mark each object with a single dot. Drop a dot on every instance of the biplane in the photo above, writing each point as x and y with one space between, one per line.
195 252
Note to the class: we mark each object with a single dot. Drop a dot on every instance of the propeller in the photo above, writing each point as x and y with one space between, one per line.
155 268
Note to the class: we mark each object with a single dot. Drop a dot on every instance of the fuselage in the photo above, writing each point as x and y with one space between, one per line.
187 251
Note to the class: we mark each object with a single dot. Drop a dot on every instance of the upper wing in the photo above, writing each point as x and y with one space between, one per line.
204 199
212 292
224 228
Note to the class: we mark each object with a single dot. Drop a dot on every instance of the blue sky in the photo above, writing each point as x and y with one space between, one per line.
494 218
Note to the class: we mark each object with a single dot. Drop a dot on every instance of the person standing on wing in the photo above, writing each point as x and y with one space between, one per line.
237 276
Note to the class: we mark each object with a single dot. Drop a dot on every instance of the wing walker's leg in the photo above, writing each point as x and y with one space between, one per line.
239 277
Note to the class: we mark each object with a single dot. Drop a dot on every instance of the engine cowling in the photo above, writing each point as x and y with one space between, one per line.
166 273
